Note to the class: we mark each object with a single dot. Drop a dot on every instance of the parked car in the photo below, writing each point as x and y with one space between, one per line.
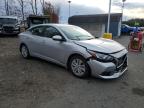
9 25
76 49
125 29
34 20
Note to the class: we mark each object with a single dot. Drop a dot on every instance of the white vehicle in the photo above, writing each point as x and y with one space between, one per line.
9 25
75 49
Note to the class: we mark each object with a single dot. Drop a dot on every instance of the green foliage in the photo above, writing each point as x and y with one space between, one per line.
131 22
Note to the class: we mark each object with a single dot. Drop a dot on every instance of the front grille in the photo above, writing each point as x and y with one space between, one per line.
121 65
8 29
121 60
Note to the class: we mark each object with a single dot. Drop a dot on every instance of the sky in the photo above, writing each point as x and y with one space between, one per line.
132 8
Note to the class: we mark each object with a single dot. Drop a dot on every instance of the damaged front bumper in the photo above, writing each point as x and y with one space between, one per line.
109 70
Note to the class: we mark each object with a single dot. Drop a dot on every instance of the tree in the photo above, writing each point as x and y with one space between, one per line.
21 3
131 22
10 7
51 10
42 4
48 8
33 4
2 7
36 7
6 7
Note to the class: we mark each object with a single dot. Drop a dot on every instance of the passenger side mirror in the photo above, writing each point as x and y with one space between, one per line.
57 38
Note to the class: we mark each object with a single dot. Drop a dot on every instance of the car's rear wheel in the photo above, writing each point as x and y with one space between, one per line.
79 67
24 51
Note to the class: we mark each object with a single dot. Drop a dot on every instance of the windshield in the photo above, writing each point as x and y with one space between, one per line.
124 25
8 21
39 21
76 33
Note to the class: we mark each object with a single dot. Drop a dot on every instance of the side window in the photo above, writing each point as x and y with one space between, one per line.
50 32
38 31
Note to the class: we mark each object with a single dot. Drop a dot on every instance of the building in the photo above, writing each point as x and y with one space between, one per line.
97 24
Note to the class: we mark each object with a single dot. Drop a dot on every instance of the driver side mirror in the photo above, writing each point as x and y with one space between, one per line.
58 38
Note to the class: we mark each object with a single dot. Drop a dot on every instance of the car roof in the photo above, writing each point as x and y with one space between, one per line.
54 24
51 24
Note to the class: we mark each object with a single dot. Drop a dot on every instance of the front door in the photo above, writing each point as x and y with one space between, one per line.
55 50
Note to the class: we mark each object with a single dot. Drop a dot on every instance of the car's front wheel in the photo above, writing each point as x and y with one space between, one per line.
79 67
24 51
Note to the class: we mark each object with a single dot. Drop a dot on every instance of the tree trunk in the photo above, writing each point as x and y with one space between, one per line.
22 9
32 6
36 7
7 7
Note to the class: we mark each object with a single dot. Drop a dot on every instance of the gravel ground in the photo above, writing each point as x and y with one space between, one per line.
36 83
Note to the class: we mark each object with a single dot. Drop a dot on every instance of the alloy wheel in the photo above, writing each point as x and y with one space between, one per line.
24 51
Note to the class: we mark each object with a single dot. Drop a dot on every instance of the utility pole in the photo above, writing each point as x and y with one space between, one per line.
69 7
123 8
108 24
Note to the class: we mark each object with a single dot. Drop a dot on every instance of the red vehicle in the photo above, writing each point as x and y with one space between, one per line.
135 43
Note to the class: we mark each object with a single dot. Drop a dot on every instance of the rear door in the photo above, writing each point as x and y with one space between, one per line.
36 40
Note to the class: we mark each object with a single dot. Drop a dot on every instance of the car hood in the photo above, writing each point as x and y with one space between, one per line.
101 45
134 28
10 25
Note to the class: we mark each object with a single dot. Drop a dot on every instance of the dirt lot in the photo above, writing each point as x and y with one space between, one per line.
36 83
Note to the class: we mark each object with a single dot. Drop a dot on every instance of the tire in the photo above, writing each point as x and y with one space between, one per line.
79 67
141 48
24 51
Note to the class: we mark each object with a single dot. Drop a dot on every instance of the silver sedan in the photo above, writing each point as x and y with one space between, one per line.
76 49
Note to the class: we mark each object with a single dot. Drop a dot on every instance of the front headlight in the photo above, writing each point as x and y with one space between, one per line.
100 56
16 28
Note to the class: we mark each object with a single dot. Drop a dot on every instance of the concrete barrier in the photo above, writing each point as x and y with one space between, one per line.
107 35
